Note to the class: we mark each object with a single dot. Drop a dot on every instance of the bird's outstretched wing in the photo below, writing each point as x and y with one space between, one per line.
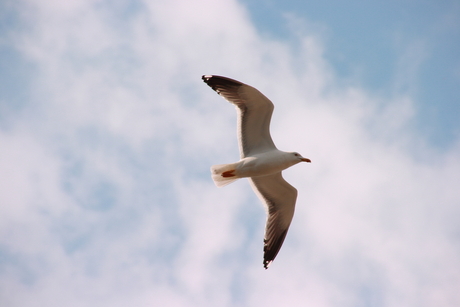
254 113
279 198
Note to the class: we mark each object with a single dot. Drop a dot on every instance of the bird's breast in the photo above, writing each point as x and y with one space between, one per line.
262 165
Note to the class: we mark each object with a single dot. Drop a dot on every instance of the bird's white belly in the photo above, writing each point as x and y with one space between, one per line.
261 165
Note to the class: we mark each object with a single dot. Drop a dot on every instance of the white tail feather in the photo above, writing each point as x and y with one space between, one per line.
216 173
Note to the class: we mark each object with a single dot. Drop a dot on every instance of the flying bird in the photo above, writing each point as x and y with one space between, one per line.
260 161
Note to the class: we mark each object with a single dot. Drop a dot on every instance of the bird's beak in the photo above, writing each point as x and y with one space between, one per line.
306 160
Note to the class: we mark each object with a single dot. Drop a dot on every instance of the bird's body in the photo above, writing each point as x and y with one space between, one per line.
260 161
262 164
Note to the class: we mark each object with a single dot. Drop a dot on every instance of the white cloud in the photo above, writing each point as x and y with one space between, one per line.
106 195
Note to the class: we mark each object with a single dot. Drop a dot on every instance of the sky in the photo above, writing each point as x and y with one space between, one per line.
107 135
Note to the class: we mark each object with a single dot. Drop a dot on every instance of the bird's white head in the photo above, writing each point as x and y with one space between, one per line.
298 158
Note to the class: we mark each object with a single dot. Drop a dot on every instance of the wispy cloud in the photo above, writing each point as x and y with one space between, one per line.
105 192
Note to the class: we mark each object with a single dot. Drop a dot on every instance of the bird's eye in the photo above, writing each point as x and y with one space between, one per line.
296 154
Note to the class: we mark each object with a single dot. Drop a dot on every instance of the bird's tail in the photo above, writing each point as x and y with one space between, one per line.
224 174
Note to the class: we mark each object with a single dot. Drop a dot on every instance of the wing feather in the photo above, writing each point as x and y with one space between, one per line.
279 197
254 113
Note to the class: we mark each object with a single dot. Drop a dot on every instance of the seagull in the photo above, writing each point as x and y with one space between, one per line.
260 161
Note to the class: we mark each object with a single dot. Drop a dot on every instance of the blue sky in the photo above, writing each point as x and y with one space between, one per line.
107 134
364 42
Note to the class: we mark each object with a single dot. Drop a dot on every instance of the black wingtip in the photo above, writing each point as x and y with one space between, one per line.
214 81
205 78
271 251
